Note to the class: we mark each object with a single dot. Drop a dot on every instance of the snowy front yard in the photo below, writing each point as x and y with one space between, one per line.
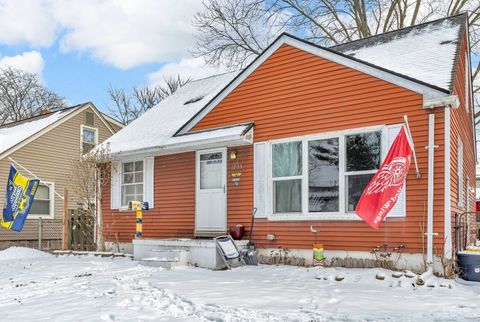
38 287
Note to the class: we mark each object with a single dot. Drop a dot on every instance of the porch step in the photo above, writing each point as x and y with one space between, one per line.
195 252
166 258
164 262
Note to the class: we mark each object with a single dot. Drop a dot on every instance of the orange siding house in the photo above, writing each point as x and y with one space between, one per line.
298 134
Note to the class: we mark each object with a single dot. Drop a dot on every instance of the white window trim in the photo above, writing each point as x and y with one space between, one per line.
305 214
51 196
125 208
82 127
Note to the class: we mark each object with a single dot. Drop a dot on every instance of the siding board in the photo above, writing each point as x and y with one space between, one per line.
51 157
295 93
462 126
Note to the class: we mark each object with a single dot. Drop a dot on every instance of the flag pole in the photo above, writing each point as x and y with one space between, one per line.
33 175
410 139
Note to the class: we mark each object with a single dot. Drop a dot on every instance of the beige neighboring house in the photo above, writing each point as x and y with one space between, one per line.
47 145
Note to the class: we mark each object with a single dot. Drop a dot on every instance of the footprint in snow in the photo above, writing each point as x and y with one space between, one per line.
107 317
333 301
357 278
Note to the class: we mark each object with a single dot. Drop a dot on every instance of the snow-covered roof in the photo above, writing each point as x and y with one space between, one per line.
14 133
156 127
424 55
425 52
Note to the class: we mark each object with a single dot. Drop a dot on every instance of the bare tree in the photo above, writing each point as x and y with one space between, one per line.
89 175
129 106
22 96
233 32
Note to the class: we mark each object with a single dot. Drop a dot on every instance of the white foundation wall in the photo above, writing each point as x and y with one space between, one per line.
411 261
126 248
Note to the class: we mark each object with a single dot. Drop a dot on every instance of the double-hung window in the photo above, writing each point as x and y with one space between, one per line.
89 138
42 205
287 177
132 182
323 174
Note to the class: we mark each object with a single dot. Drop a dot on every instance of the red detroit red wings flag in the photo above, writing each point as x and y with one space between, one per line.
381 193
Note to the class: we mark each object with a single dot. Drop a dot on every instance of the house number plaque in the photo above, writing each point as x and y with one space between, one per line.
236 178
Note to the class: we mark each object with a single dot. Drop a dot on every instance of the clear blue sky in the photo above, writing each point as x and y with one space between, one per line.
79 78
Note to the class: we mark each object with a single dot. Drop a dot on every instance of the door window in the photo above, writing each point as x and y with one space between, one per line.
211 171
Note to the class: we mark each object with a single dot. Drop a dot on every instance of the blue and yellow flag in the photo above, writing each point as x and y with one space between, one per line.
18 200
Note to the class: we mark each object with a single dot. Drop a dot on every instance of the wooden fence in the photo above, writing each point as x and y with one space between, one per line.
81 230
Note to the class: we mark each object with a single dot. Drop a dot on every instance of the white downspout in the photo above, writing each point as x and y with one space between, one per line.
448 215
431 149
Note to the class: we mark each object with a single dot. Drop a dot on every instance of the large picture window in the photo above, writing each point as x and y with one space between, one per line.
323 175
132 182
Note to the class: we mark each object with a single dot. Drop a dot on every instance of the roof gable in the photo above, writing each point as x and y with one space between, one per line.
15 135
429 91
180 112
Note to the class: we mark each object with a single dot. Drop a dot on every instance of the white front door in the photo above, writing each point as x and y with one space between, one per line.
211 204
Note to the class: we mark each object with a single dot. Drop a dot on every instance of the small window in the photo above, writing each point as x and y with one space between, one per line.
287 177
89 118
211 171
363 154
42 202
132 182
89 139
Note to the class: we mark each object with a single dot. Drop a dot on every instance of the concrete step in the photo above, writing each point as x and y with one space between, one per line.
166 258
164 252
164 262
195 252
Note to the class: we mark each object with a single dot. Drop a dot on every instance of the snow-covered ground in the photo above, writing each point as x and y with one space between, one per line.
38 287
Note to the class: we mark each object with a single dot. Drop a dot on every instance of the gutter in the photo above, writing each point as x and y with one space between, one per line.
450 101
447 205
430 190
187 146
